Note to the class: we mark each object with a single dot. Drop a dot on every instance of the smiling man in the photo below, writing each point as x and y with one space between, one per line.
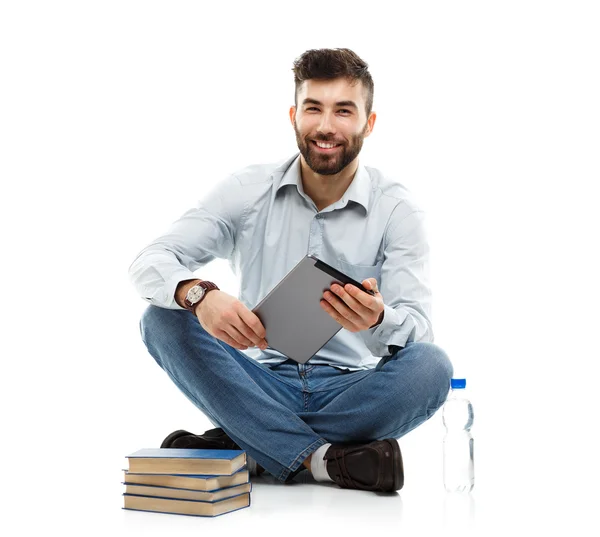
330 134
340 414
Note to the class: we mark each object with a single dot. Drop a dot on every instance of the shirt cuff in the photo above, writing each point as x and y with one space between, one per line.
165 296
393 330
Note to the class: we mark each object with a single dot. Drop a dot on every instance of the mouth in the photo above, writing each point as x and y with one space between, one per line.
325 147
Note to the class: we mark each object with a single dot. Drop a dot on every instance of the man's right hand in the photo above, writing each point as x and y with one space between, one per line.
228 319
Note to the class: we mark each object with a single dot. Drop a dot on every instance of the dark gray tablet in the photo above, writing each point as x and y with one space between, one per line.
296 323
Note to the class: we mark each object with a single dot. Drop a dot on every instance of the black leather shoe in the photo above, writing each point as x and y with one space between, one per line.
212 439
376 466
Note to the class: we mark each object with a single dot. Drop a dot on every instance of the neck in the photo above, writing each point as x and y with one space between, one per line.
326 189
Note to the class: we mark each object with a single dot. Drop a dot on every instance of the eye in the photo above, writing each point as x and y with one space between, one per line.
341 110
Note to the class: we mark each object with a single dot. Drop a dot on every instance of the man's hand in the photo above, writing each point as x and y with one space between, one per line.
354 309
228 319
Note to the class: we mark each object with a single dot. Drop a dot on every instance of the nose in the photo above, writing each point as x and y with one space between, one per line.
326 124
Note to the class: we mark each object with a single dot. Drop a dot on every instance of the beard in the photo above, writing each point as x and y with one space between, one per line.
329 164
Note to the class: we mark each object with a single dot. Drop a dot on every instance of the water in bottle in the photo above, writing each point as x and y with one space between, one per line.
457 416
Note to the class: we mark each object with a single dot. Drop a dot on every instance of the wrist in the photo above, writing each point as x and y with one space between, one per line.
379 321
182 289
193 292
196 308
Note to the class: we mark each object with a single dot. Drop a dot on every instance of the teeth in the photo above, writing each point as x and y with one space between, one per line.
325 146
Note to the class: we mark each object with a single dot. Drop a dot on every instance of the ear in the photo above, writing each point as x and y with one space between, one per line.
370 123
292 114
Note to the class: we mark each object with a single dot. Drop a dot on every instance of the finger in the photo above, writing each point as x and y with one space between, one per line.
338 317
349 300
237 336
371 284
225 337
340 312
233 326
368 301
251 327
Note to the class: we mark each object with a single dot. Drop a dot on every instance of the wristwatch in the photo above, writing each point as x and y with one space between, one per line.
196 294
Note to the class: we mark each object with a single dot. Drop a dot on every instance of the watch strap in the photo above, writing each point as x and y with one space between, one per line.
208 286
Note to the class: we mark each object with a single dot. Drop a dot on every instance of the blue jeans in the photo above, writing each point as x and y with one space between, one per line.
281 413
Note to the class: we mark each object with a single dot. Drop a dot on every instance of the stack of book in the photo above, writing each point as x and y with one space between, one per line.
200 482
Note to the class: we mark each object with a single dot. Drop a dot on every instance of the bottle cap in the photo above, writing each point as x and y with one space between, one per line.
458 383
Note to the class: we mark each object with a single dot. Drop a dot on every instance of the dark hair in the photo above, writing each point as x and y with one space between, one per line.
327 64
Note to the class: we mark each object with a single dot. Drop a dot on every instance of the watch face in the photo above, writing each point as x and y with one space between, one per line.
195 294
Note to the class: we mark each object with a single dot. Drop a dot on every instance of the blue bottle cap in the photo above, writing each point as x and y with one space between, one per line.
458 383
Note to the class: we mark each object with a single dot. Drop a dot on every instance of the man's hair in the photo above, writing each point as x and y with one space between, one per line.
327 64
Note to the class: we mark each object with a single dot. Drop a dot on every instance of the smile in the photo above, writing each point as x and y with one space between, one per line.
325 147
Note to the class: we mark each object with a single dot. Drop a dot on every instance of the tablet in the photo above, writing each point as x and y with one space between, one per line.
296 324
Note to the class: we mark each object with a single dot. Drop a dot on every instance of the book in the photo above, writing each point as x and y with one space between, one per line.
205 482
185 507
186 461
186 494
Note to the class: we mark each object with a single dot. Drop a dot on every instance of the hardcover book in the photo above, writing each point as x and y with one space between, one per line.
186 461
185 507
204 482
185 494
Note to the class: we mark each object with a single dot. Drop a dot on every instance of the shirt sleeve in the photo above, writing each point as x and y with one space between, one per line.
405 288
198 237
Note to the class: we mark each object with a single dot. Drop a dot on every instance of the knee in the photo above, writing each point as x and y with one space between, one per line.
159 328
156 322
436 370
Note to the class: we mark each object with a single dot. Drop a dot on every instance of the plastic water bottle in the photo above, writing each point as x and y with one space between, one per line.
457 416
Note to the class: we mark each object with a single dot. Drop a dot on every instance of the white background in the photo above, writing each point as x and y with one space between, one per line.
116 116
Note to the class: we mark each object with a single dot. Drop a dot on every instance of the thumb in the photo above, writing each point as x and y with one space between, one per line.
369 284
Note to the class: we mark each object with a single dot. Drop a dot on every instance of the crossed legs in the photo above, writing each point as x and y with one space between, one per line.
266 414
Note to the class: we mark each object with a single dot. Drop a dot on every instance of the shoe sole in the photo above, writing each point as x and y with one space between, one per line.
398 466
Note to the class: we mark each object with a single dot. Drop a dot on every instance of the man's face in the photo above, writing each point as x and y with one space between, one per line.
330 111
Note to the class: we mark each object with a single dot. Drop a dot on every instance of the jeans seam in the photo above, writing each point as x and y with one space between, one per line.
303 455
349 381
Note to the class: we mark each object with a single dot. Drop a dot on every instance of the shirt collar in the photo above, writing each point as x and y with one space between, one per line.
358 191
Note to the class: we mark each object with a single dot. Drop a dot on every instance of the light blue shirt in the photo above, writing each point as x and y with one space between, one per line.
263 223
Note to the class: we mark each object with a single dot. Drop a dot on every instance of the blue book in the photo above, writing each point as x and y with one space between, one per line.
185 507
206 483
185 494
186 461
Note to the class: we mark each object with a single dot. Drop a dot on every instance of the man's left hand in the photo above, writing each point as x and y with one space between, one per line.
354 309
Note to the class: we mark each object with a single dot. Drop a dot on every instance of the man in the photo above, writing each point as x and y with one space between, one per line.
338 415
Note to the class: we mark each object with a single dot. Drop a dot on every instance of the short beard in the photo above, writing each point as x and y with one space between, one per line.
326 165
